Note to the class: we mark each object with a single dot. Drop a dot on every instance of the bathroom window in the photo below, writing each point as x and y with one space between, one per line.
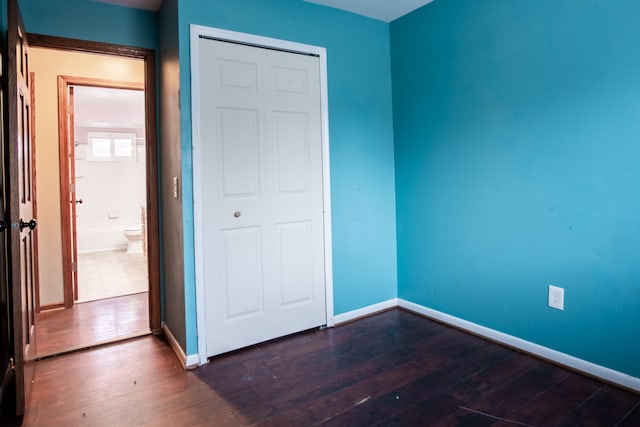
100 148
123 147
112 146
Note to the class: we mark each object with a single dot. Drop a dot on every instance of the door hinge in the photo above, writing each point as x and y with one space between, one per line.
74 266
72 188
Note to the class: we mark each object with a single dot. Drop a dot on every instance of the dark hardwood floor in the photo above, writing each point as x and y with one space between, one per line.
394 368
92 323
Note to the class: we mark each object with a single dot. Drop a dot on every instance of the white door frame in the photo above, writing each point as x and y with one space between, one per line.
196 32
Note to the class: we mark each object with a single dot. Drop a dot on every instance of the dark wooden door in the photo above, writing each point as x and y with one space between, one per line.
20 185
6 350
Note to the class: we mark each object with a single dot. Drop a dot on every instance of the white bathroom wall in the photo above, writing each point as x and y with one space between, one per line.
112 193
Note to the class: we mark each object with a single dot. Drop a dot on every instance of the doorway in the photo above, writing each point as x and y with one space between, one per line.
107 193
111 191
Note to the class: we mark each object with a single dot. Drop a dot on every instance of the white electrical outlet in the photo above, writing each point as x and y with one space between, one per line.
556 297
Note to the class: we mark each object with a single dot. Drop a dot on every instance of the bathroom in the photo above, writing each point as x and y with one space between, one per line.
110 192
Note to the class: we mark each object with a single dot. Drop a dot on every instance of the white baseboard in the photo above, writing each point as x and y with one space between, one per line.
192 362
188 362
546 353
365 311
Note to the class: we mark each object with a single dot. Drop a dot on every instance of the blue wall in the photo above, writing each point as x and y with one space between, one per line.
90 20
517 150
361 136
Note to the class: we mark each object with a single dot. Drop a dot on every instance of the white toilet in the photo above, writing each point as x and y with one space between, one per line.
133 234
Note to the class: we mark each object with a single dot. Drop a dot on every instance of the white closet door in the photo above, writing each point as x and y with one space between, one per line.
262 201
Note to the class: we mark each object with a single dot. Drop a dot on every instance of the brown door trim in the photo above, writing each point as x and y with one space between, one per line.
153 236
67 172
65 135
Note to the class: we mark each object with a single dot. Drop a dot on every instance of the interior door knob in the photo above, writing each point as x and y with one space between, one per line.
237 214
31 224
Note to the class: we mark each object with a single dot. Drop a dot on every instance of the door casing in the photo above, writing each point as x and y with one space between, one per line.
67 169
153 231
242 38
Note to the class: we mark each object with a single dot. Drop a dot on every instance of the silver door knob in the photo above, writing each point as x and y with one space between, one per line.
237 214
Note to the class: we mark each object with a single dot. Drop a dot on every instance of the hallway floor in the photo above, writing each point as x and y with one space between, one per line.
92 323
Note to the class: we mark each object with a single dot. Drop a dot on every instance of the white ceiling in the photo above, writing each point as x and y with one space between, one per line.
383 10
108 108
153 5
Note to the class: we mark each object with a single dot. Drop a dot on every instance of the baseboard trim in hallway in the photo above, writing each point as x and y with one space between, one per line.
188 362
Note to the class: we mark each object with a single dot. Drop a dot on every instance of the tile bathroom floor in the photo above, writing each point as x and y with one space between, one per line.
110 274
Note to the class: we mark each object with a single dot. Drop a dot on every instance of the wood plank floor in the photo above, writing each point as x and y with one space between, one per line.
92 323
394 368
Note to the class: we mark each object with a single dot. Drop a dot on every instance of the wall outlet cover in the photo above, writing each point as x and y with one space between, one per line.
556 297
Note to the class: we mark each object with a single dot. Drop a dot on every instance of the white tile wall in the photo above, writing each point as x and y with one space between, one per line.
113 194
